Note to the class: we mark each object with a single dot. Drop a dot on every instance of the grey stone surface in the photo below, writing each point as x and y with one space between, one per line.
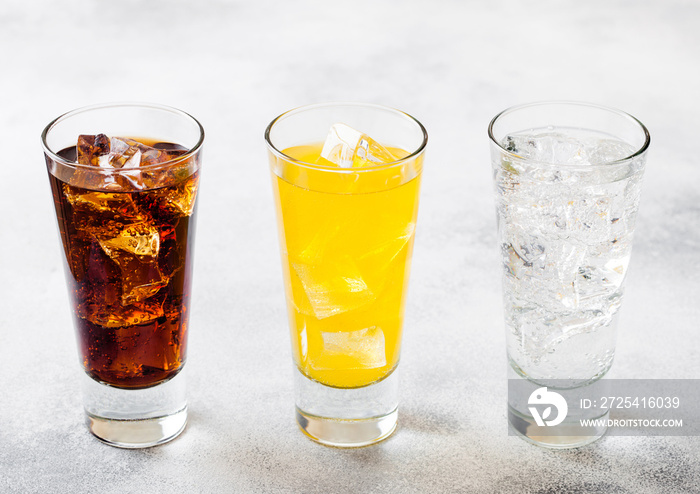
236 65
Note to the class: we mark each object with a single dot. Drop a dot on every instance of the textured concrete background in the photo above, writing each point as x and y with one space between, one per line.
235 66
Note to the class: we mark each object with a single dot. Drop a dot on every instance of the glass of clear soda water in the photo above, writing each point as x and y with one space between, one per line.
567 180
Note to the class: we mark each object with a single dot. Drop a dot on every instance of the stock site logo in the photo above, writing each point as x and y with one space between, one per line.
543 397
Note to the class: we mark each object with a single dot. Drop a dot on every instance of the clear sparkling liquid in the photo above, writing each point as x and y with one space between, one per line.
565 221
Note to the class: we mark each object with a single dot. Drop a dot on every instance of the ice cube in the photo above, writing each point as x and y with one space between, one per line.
125 153
538 331
130 156
120 152
365 347
135 250
93 150
102 202
180 174
349 148
141 277
332 289
177 199
140 280
570 257
140 239
103 214
547 147
115 316
559 148
608 150
392 245
128 153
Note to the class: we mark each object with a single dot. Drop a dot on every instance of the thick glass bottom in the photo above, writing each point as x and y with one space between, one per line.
135 418
347 433
571 435
132 434
552 414
347 418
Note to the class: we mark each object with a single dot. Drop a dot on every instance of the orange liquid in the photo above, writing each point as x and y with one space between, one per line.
346 240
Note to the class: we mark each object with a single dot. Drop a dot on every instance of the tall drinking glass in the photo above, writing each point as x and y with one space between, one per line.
124 179
346 236
567 179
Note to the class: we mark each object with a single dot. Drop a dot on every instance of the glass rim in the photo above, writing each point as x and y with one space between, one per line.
305 164
622 161
100 106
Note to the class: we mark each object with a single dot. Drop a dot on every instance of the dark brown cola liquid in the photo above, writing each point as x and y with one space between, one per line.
129 256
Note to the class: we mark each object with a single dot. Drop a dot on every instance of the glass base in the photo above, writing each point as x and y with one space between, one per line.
548 399
347 433
135 418
347 418
568 435
133 434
